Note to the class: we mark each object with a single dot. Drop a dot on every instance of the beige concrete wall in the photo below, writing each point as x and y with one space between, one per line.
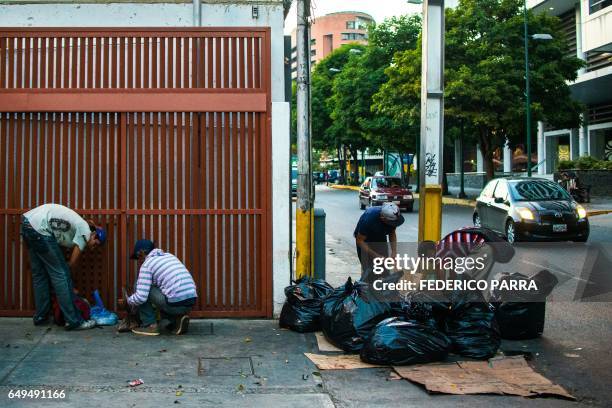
596 28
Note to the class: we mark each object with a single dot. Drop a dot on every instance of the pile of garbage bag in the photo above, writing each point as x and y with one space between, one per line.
302 309
350 313
463 316
401 341
420 327
521 314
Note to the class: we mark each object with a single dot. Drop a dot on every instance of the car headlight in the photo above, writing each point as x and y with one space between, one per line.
407 197
380 197
525 213
581 211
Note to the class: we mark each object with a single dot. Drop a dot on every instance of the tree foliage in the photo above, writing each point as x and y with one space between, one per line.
485 72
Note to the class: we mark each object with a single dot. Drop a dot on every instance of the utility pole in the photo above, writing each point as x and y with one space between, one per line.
527 91
304 212
432 122
462 159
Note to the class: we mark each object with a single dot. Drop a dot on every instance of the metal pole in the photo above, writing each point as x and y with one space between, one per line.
363 165
304 213
384 162
197 13
461 159
432 122
527 93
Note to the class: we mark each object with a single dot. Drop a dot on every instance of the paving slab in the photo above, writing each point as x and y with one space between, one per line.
139 399
235 362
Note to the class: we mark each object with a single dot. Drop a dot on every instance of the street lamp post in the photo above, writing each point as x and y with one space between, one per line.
461 159
527 93
527 90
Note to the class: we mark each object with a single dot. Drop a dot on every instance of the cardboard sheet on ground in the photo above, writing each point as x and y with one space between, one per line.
338 362
325 345
505 375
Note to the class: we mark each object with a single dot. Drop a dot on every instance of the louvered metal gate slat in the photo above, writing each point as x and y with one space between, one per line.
158 133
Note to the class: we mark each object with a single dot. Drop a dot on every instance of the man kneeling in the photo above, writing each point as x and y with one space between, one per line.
164 283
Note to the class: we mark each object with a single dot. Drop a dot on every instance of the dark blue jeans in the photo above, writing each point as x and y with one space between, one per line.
157 300
49 267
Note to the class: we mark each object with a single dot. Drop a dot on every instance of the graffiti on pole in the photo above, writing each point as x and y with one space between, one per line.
431 165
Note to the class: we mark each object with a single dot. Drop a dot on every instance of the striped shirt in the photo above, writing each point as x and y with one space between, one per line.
165 271
459 244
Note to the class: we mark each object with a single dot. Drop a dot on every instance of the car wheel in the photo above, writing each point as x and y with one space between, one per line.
477 221
510 232
361 205
582 239
410 208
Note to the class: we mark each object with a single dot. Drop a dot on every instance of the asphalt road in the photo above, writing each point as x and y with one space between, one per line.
574 350
565 260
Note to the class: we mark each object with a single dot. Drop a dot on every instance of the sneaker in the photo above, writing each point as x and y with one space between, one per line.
152 330
85 325
182 324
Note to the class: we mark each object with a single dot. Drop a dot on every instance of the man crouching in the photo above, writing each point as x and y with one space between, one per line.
164 283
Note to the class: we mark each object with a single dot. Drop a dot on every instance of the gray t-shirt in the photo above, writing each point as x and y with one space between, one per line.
68 228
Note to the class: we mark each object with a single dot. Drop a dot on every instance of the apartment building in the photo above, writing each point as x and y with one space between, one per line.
332 31
588 26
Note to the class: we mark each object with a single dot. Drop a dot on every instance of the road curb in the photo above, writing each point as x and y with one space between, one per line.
592 213
343 187
461 201
445 200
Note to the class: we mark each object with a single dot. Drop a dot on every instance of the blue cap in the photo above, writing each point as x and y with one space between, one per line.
101 235
142 245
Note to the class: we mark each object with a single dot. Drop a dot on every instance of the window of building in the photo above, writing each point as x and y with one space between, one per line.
596 5
350 25
362 23
353 36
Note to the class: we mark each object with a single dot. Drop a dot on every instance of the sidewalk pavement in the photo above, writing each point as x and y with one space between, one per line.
597 206
220 362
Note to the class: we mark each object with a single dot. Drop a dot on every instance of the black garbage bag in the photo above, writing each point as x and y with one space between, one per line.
471 326
302 309
398 341
350 313
422 306
521 313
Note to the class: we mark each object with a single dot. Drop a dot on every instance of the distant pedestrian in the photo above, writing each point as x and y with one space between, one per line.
165 284
373 234
44 230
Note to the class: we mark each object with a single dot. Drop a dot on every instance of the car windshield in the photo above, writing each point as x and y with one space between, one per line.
537 190
387 182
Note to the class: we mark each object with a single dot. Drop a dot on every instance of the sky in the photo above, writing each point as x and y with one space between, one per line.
379 9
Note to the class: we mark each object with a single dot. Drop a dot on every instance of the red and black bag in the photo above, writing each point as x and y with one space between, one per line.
81 304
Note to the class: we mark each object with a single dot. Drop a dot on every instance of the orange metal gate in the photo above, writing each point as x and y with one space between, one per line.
160 133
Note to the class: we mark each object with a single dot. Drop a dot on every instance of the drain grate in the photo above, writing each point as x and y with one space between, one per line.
225 366
201 328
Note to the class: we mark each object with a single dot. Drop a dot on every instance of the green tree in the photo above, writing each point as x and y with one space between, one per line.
485 74
354 122
323 137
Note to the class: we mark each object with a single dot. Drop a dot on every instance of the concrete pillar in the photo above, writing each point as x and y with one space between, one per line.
507 158
574 141
541 149
479 159
579 54
583 141
457 156
552 145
